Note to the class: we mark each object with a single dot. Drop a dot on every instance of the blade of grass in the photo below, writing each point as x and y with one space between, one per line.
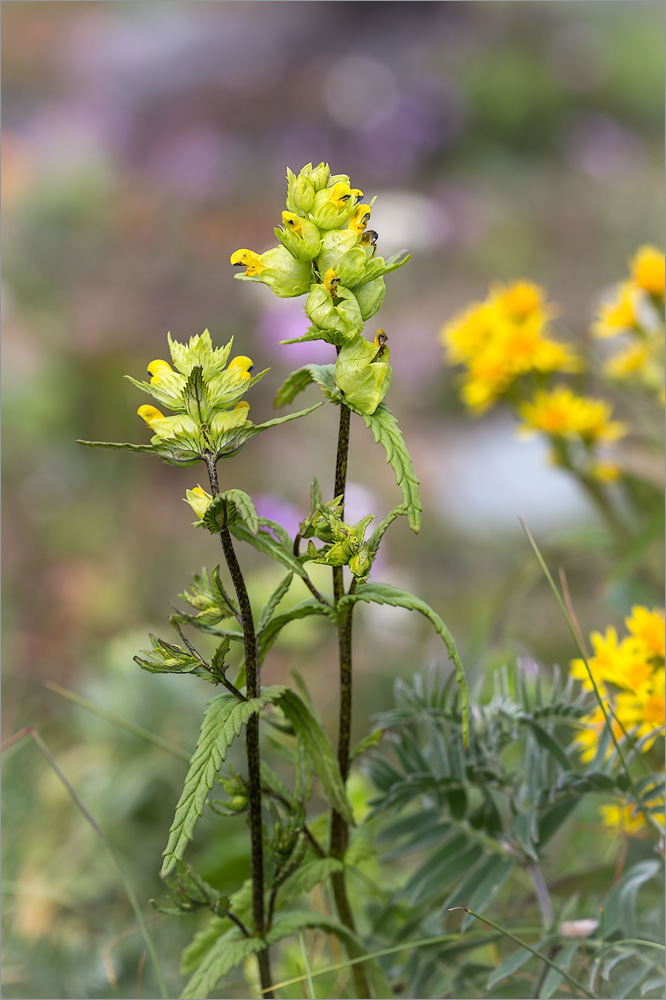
649 818
117 720
311 990
528 947
394 950
101 836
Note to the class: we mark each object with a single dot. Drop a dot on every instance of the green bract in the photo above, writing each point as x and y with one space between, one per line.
363 373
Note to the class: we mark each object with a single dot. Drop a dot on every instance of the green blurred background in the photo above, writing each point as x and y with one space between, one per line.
143 142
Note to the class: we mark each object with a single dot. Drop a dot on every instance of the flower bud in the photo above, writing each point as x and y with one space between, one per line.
360 564
300 190
276 268
299 236
198 500
320 176
333 206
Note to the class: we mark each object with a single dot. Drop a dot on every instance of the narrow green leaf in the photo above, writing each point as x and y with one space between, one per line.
491 876
378 533
550 744
265 542
272 629
516 960
276 421
309 729
386 432
554 977
271 604
223 721
367 743
383 593
287 923
125 446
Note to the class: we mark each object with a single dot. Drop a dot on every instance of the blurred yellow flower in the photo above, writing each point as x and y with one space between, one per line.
628 820
559 412
648 269
503 338
634 666
620 313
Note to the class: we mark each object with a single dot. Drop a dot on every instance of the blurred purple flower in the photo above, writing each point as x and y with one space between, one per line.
276 509
285 319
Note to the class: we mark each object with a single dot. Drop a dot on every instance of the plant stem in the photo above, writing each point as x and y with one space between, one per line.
251 741
339 828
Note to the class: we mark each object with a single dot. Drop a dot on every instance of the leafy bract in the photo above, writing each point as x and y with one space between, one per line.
323 375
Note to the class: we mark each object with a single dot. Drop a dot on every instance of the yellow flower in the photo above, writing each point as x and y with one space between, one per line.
620 314
627 362
155 368
150 414
523 299
198 500
605 472
360 218
242 362
291 221
331 281
468 332
248 259
642 711
628 820
340 194
561 413
648 628
648 270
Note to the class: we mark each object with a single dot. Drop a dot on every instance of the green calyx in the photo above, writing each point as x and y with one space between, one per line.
347 547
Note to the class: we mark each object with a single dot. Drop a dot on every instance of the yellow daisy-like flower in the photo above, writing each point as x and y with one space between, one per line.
620 314
628 820
559 412
648 269
648 628
523 299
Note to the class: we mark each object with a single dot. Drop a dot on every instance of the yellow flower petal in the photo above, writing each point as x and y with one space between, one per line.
150 414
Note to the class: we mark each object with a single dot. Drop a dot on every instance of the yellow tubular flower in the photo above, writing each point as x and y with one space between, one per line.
155 367
242 405
242 362
248 259
648 270
331 281
150 414
360 219
358 194
291 221
198 500
340 194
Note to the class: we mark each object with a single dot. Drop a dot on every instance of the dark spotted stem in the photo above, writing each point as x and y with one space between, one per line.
339 827
251 742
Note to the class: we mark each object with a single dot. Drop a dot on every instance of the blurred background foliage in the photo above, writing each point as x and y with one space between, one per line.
143 142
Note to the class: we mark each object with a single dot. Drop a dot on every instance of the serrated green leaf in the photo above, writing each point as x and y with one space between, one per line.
383 593
386 432
222 722
378 533
227 952
201 944
307 876
309 729
323 375
244 508
273 601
